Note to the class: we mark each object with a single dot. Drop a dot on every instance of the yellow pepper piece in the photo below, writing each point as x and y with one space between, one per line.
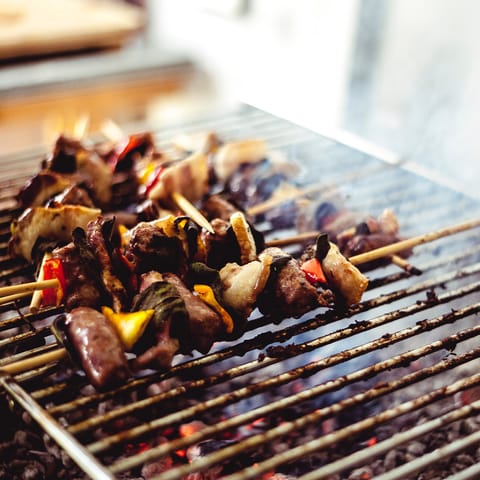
130 326
206 294
123 231
146 173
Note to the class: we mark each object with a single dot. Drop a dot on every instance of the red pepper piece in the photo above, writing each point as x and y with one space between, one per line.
313 271
151 183
132 277
123 149
53 268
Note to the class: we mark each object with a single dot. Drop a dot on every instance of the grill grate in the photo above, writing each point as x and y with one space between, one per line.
297 397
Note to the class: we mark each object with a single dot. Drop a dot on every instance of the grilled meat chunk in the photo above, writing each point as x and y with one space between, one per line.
83 285
288 292
216 206
99 234
81 165
370 234
98 347
204 325
150 249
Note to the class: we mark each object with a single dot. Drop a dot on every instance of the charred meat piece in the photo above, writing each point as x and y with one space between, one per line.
49 224
220 247
204 325
83 286
99 234
82 165
216 206
98 347
288 293
150 249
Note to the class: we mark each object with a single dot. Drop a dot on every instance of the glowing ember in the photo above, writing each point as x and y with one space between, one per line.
188 429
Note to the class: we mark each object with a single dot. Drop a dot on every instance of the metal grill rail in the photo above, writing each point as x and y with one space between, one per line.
316 368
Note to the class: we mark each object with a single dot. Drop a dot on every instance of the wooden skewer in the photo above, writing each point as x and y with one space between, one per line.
299 238
34 362
13 297
37 294
412 242
27 288
403 264
192 211
273 202
387 250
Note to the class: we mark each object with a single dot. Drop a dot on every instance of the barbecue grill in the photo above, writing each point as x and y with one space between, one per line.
384 390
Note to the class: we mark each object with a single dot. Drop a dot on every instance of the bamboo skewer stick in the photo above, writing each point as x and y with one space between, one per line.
192 211
387 250
34 362
37 294
13 297
412 242
404 265
273 202
299 238
28 288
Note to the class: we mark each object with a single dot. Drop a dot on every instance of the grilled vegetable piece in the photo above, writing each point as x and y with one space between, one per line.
129 325
72 195
98 347
344 276
233 154
40 188
206 293
49 224
288 293
203 142
157 346
242 284
188 177
244 236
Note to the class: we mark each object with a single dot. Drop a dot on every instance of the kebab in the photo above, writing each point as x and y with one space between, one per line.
249 268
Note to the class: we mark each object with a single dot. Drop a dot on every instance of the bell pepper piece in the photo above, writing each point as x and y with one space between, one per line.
130 325
313 271
154 179
52 268
123 149
206 294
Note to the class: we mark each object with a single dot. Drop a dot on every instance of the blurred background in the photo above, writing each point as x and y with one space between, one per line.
396 78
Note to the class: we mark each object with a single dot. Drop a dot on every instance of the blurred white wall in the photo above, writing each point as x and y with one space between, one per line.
289 58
